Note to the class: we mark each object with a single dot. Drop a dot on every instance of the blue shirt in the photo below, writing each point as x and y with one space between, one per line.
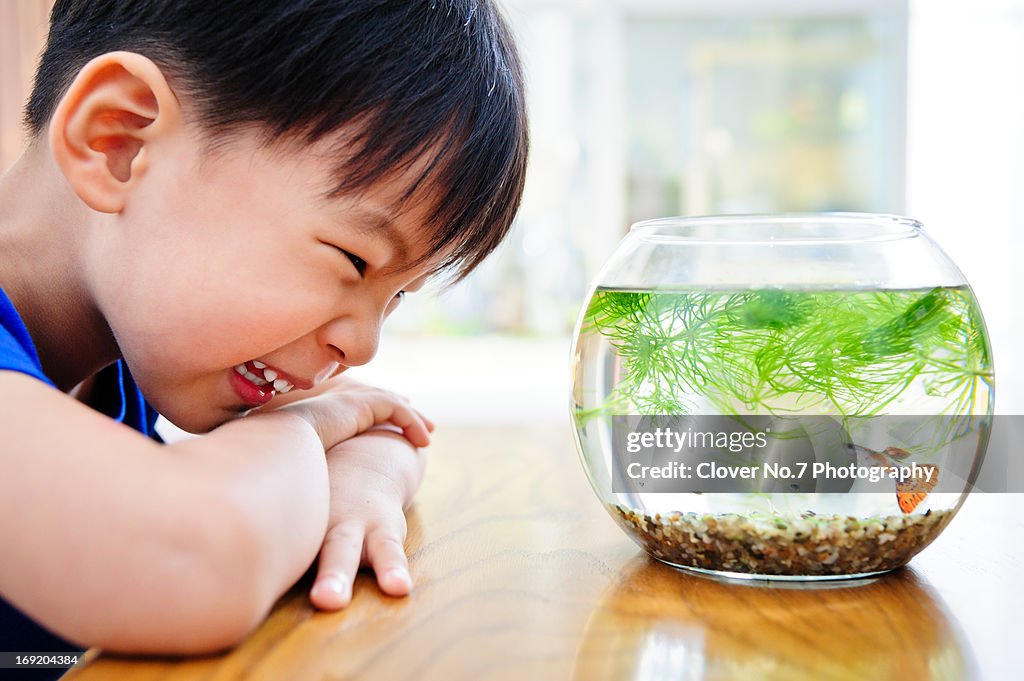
114 393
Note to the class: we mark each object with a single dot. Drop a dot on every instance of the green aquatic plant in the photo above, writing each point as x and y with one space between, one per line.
780 351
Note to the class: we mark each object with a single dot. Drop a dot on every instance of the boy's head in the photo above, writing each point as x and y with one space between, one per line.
411 76
241 159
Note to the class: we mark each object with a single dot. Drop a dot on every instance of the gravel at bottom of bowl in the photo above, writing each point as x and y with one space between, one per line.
801 544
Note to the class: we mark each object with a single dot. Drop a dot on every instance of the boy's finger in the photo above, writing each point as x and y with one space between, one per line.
387 556
429 423
339 562
413 427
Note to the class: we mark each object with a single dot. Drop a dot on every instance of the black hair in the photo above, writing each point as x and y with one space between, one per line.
412 77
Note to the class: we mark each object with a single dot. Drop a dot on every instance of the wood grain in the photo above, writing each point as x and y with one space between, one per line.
520 574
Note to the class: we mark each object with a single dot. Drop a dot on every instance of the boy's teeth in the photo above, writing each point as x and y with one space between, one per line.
255 379
269 376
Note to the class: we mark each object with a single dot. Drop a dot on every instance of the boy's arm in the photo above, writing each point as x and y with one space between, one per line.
138 547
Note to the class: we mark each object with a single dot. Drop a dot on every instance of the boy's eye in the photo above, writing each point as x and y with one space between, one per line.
357 262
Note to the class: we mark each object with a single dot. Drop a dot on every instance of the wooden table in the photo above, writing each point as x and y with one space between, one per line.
520 574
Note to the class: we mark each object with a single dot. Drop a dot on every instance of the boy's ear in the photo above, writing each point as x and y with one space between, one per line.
104 128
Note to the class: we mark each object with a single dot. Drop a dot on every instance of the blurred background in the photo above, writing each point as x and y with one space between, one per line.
648 108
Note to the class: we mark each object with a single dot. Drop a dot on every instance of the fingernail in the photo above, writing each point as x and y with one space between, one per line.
330 585
400 575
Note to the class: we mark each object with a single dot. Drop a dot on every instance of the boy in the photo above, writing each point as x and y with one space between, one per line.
219 205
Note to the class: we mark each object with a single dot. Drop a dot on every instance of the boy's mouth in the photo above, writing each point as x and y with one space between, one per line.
261 376
256 383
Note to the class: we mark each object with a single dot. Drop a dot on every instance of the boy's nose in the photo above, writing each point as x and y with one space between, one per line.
352 342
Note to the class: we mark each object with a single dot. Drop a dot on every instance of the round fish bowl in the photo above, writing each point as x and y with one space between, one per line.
795 397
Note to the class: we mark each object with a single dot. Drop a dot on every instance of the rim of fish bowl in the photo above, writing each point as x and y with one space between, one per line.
779 228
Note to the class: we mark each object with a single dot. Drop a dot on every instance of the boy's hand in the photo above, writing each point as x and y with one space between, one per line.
342 408
372 479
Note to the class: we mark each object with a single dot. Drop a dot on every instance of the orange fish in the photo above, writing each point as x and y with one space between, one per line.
909 493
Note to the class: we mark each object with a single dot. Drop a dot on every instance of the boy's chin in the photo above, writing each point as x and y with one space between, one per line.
201 423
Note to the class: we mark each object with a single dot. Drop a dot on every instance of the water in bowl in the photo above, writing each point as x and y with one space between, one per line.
850 355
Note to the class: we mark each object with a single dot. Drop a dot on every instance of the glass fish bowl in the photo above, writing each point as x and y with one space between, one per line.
794 397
